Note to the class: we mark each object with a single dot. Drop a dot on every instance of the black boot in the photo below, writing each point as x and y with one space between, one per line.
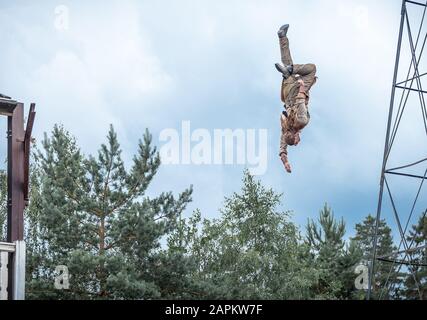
283 31
285 71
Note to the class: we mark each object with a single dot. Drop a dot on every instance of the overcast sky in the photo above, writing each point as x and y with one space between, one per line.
154 64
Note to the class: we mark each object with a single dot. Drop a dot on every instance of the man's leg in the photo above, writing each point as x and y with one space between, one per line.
287 68
307 72
285 51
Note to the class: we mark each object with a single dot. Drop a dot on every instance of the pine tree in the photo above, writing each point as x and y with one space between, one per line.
385 273
334 261
418 238
252 251
94 217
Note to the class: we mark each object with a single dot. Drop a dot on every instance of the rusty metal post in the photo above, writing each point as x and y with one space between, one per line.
16 154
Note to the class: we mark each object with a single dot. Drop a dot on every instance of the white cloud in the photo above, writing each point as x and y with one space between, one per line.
94 73
116 51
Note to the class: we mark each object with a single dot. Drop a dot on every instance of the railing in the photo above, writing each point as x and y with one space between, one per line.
12 255
5 250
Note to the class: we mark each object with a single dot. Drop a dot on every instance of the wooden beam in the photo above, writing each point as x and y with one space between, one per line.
15 176
27 150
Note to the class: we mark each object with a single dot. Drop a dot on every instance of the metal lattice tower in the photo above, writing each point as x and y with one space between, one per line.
402 168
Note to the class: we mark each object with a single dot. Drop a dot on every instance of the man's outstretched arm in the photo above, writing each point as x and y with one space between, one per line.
284 158
284 146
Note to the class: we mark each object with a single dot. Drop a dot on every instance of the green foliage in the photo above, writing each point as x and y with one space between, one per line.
92 214
385 273
334 261
94 217
415 290
3 205
252 251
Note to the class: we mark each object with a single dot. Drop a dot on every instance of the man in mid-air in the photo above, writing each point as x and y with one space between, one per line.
297 82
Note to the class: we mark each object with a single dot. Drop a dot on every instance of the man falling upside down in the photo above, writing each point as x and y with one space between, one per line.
297 82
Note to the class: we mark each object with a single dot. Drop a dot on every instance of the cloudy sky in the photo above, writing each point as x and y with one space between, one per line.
155 64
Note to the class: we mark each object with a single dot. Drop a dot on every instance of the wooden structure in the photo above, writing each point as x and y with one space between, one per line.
12 252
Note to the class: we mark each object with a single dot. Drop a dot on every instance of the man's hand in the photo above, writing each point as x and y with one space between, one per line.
286 163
